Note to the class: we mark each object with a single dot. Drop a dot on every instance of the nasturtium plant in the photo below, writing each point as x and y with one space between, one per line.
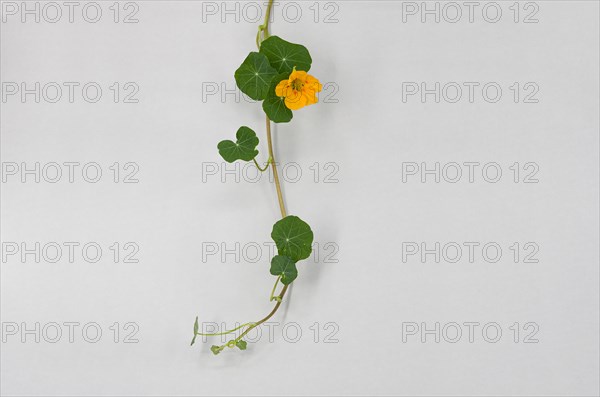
277 75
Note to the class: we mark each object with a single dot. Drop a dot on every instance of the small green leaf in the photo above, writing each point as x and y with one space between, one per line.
195 331
241 344
216 349
293 238
243 149
284 56
285 267
254 76
274 106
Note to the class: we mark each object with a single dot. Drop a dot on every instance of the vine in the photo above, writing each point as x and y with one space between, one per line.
277 76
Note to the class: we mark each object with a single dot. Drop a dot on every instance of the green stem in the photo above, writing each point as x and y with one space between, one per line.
267 18
258 166
251 327
275 298
264 28
225 332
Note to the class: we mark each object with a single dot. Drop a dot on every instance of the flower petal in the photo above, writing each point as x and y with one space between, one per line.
298 74
311 97
296 100
281 88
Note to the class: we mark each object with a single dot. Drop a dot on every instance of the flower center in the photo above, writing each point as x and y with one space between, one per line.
297 85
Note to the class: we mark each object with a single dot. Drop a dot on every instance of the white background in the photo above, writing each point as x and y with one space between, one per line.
174 53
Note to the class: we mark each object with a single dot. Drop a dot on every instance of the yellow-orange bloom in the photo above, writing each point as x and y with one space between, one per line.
299 90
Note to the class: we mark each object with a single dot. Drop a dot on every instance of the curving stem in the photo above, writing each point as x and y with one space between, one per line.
256 324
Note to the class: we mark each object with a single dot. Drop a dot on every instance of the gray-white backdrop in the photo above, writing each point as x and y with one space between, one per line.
449 172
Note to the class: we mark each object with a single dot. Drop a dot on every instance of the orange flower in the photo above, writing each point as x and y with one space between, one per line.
299 90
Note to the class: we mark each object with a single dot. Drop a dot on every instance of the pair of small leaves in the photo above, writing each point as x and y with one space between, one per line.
293 238
243 149
261 71
241 344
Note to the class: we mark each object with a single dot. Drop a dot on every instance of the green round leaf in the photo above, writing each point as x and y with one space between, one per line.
243 149
254 76
285 267
293 238
284 56
274 106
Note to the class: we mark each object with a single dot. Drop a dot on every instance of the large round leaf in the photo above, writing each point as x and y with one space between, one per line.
284 56
254 76
293 238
